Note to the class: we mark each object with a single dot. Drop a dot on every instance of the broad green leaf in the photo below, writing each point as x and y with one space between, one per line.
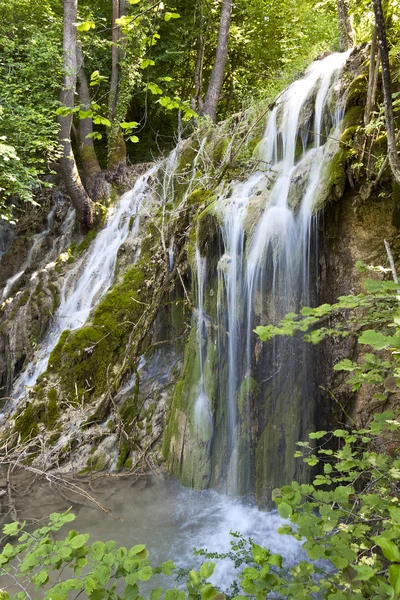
170 15
285 510
11 528
78 541
364 572
147 62
394 578
156 594
207 569
389 549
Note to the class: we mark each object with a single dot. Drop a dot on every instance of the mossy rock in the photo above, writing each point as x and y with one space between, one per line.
26 423
82 358
357 91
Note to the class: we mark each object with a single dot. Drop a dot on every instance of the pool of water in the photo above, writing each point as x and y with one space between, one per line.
170 519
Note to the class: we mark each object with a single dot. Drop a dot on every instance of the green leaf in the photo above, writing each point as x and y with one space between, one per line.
156 594
364 572
147 62
275 560
345 365
136 549
85 26
97 551
285 510
340 433
377 340
170 15
134 139
145 573
11 528
101 121
394 578
389 549
194 578
207 569
131 592
78 541
317 435
130 125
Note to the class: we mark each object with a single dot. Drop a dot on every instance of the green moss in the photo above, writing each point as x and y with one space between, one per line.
26 423
52 409
353 117
357 91
198 197
97 462
128 464
219 150
124 451
56 354
247 392
84 245
82 358
348 135
110 425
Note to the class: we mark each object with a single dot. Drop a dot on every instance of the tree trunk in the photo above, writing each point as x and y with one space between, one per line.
387 89
197 100
371 79
82 203
346 39
217 75
90 163
117 147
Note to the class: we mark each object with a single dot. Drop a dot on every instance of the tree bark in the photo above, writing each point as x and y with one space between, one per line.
217 74
387 89
117 147
82 203
346 39
89 159
197 100
371 78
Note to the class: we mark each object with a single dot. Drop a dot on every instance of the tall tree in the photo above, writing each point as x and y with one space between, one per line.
346 39
116 143
217 74
82 203
387 89
90 163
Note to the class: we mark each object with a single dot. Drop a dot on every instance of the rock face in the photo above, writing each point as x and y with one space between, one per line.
146 380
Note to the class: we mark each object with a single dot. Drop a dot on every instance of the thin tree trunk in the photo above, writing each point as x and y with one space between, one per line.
82 203
117 147
89 159
346 40
371 78
387 89
217 75
197 101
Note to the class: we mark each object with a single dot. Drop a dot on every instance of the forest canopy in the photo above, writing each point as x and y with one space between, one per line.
143 70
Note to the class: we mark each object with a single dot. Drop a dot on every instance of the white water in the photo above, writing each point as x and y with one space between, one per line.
38 240
276 254
202 413
169 519
86 284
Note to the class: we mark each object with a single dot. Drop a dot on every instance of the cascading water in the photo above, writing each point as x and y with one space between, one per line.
264 273
86 284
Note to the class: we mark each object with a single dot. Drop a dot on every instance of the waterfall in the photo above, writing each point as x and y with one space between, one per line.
264 273
87 283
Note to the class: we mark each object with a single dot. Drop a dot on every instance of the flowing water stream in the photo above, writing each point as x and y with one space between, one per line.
264 270
92 277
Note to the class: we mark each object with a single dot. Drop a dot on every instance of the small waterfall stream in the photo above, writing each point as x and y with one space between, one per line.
89 281
264 273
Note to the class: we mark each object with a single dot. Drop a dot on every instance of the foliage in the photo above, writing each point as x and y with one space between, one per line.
71 566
